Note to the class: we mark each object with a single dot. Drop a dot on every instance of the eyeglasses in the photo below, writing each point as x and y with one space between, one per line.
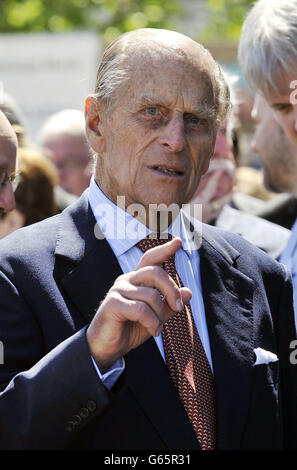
5 178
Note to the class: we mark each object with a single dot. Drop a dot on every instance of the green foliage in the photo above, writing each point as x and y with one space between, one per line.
109 17
226 18
113 17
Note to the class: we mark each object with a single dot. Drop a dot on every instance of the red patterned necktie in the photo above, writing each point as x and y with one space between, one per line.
187 361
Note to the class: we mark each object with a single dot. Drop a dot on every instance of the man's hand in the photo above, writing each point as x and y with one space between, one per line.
133 309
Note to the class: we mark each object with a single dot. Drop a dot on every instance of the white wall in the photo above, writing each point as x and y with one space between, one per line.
47 72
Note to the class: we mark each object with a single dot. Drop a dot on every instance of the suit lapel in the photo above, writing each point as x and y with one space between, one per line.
93 266
227 297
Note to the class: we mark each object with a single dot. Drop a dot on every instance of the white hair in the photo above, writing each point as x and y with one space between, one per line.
69 122
113 72
268 44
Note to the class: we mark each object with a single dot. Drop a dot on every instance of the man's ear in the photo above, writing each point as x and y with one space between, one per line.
94 124
207 162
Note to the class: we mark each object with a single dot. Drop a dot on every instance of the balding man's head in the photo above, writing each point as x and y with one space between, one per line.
63 135
148 48
160 98
8 151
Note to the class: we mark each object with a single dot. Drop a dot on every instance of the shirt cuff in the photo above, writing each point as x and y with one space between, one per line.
111 376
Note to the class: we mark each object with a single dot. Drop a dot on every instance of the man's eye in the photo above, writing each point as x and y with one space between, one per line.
3 178
152 111
282 108
193 120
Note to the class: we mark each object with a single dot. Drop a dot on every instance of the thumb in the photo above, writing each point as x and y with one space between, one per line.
186 294
159 254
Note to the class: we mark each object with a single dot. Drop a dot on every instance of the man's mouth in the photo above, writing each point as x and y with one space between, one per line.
167 170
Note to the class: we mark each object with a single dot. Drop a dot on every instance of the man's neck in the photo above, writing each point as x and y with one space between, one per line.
157 217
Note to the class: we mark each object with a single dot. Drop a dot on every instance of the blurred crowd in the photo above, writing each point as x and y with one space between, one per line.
53 171
256 201
49 174
245 296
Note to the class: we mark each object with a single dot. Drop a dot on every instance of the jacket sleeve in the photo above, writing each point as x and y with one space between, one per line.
286 337
45 405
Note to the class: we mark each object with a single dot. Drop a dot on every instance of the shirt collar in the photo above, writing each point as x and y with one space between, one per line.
121 230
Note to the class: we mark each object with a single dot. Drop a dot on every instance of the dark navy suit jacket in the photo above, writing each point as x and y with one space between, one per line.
53 276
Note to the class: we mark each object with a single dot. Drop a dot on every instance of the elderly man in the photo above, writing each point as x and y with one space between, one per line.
268 54
63 134
105 349
8 151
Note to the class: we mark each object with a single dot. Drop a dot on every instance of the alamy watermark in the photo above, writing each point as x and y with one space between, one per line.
131 222
293 95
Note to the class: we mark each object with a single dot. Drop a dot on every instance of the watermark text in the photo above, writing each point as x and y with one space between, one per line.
131 222
293 95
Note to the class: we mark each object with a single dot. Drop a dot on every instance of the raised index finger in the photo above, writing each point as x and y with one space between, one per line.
159 254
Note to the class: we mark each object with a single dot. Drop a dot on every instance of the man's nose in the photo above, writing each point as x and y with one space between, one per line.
173 135
7 201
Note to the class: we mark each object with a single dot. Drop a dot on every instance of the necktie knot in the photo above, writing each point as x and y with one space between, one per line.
153 240
156 240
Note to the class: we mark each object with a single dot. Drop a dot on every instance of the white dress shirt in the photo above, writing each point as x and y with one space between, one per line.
123 232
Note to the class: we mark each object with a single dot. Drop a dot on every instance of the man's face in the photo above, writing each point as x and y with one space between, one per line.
277 152
70 155
7 168
284 105
159 136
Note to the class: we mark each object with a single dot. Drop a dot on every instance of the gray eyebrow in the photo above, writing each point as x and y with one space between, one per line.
202 110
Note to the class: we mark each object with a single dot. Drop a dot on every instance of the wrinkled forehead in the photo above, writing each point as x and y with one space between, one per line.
175 73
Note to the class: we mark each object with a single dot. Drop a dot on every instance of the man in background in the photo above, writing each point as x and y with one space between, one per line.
12 111
8 154
278 153
215 193
268 57
63 135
